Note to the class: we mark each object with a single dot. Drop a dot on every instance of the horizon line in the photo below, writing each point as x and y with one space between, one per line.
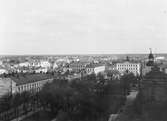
77 54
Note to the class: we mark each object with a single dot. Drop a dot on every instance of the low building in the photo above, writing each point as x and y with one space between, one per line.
41 70
24 82
24 64
3 70
45 64
95 68
131 67
78 66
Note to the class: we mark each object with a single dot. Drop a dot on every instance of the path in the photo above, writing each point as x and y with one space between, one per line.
130 98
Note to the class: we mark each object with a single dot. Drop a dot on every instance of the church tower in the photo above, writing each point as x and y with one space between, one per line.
150 59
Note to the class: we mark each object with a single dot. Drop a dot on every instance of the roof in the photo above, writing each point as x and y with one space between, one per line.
115 72
94 65
80 62
128 62
29 78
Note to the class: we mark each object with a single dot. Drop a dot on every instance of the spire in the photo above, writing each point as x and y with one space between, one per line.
150 50
151 58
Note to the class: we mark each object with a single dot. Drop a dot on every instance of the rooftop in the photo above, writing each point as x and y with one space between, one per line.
94 65
29 78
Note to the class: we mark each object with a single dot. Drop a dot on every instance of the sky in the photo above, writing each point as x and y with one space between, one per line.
82 26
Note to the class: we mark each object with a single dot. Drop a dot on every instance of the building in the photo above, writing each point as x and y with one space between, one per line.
45 64
146 66
3 70
24 82
24 64
41 70
131 67
95 68
78 66
150 59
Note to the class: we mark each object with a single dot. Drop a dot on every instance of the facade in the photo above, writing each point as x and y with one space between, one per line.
2 71
134 68
6 85
24 64
45 64
18 84
31 83
77 66
41 70
95 68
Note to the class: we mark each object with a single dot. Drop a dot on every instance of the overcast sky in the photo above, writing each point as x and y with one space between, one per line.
82 26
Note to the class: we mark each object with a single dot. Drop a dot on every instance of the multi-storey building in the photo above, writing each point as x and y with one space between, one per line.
95 68
21 83
131 67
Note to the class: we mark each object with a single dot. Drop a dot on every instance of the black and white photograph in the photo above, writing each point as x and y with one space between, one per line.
83 60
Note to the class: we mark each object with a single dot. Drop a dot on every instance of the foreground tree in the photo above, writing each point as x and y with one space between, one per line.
81 100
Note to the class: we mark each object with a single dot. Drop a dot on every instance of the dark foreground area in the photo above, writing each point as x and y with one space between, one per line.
40 116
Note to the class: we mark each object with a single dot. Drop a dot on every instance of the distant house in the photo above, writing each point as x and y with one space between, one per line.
3 70
78 66
24 64
45 64
41 70
95 68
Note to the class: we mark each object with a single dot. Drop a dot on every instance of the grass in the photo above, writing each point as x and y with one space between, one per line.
40 116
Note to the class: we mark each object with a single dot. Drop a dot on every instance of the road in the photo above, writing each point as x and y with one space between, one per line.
130 98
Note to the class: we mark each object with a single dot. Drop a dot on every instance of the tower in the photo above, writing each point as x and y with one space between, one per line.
150 59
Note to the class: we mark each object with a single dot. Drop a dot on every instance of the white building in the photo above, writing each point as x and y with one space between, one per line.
2 71
95 68
55 65
134 68
41 70
24 64
45 64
